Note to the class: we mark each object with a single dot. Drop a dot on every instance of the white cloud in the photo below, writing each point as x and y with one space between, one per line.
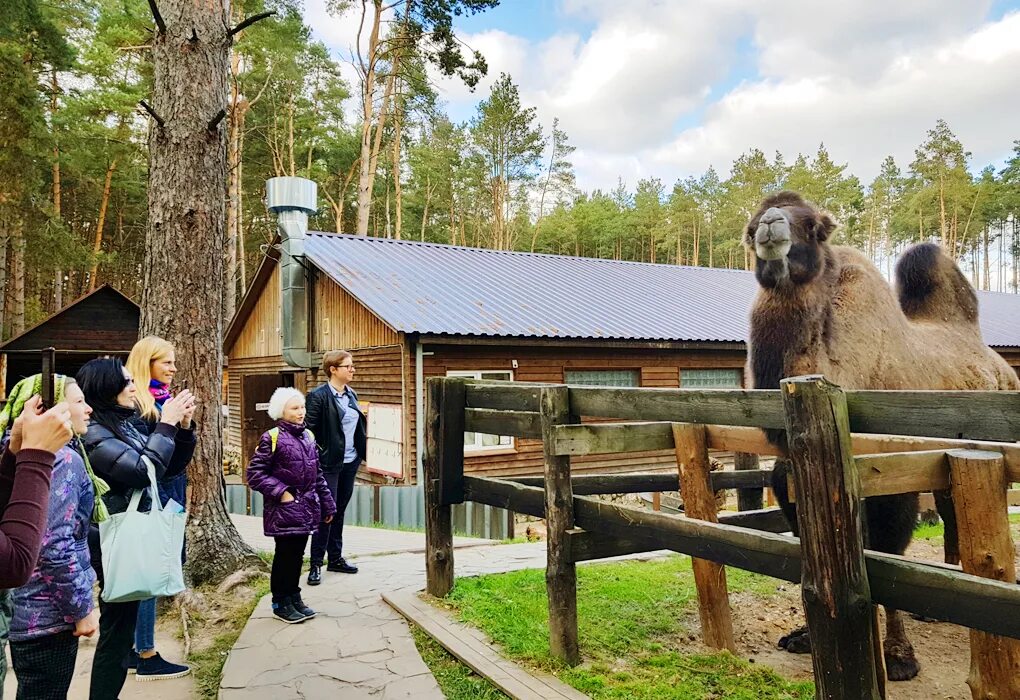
665 88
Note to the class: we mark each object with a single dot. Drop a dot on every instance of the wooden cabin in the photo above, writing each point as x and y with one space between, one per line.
408 311
103 322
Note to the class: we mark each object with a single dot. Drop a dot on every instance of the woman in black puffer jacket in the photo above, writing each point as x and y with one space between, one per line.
115 448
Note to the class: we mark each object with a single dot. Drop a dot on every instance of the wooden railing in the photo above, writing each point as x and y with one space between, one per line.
844 446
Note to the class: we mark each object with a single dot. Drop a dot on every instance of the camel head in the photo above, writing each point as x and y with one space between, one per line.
787 235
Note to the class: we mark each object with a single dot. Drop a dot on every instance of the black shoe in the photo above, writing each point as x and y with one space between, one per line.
285 611
156 668
300 606
314 575
131 663
343 567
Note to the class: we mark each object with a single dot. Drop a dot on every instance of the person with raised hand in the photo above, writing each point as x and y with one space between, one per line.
154 358
118 453
55 607
25 469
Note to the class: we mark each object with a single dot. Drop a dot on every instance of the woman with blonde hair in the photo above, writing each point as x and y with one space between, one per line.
152 358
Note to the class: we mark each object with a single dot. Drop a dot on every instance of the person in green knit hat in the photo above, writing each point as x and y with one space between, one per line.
55 607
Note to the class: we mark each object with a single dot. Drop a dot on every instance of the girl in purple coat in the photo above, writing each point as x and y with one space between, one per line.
285 470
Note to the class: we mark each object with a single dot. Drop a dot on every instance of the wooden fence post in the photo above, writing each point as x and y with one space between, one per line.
691 444
986 549
747 499
560 570
835 589
444 478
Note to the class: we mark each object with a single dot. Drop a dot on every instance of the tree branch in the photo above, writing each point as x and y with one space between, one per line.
158 18
159 120
215 121
250 21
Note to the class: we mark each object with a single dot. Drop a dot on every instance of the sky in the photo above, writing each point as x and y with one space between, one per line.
667 88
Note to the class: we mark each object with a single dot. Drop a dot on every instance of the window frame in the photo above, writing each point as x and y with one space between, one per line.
477 448
635 370
739 372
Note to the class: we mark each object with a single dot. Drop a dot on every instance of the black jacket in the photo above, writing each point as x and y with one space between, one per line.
120 463
323 418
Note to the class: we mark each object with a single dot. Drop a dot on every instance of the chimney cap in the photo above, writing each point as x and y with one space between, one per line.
291 193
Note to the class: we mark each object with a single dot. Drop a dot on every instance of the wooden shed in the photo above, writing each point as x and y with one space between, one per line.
103 322
408 311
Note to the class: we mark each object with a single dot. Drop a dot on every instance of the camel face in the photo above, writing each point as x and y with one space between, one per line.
772 238
787 235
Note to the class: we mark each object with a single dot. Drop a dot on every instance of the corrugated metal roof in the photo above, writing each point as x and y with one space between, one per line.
442 289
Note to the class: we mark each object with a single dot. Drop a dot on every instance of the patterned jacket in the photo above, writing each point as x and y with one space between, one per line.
59 593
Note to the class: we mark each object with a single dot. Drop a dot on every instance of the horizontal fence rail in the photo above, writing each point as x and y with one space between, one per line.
928 589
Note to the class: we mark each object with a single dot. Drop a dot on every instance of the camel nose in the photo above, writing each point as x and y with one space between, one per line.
771 216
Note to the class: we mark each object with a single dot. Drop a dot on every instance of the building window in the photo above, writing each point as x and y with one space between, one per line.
711 378
602 377
479 442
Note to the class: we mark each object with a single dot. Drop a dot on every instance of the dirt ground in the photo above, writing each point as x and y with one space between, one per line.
943 650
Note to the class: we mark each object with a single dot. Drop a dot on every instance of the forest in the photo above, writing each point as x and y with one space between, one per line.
74 134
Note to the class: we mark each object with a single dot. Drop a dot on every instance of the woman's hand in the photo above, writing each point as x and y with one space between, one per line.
287 497
328 519
87 626
189 413
175 407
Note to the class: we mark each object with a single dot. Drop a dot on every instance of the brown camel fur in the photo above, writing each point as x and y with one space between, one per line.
825 309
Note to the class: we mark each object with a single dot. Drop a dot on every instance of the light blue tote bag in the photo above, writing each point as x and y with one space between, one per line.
142 551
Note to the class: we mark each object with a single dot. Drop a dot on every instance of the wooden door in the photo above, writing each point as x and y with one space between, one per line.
255 392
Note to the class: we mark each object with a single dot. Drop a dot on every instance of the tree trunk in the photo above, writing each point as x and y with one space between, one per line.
58 277
97 245
242 262
397 194
367 176
18 268
5 240
184 254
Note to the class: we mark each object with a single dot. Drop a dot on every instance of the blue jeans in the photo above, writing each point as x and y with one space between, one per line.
145 626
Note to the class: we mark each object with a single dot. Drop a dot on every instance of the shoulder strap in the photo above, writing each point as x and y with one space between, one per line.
310 434
274 436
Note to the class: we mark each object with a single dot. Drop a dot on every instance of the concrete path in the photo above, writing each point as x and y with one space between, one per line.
357 647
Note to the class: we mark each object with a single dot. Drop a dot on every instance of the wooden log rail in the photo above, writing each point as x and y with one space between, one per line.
929 589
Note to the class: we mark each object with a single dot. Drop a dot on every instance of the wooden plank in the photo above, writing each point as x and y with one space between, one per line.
986 549
438 515
699 502
501 493
608 438
560 572
450 436
835 586
592 484
760 408
902 472
751 479
978 415
932 590
475 650
503 396
493 422
764 519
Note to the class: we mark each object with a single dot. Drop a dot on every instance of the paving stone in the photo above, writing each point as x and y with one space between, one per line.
418 687
354 672
407 666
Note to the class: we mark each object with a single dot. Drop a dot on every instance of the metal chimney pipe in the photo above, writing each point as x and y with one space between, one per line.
292 199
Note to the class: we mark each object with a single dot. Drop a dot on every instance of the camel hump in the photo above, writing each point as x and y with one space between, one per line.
931 287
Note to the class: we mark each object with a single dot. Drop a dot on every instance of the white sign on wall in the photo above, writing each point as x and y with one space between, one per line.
385 440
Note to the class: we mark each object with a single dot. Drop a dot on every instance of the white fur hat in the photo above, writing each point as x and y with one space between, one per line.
279 400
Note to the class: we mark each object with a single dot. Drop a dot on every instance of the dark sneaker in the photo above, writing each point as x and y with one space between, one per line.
342 567
132 661
156 668
300 606
285 611
314 575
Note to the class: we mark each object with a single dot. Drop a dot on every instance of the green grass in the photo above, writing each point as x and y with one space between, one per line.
207 663
937 531
635 622
457 681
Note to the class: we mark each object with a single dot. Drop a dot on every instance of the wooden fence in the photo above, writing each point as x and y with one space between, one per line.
843 445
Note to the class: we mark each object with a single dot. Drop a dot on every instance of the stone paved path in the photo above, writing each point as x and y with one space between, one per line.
357 647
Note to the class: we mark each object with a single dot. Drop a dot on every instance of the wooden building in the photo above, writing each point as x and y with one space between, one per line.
103 322
408 311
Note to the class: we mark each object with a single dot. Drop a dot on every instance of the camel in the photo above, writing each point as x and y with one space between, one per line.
826 309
